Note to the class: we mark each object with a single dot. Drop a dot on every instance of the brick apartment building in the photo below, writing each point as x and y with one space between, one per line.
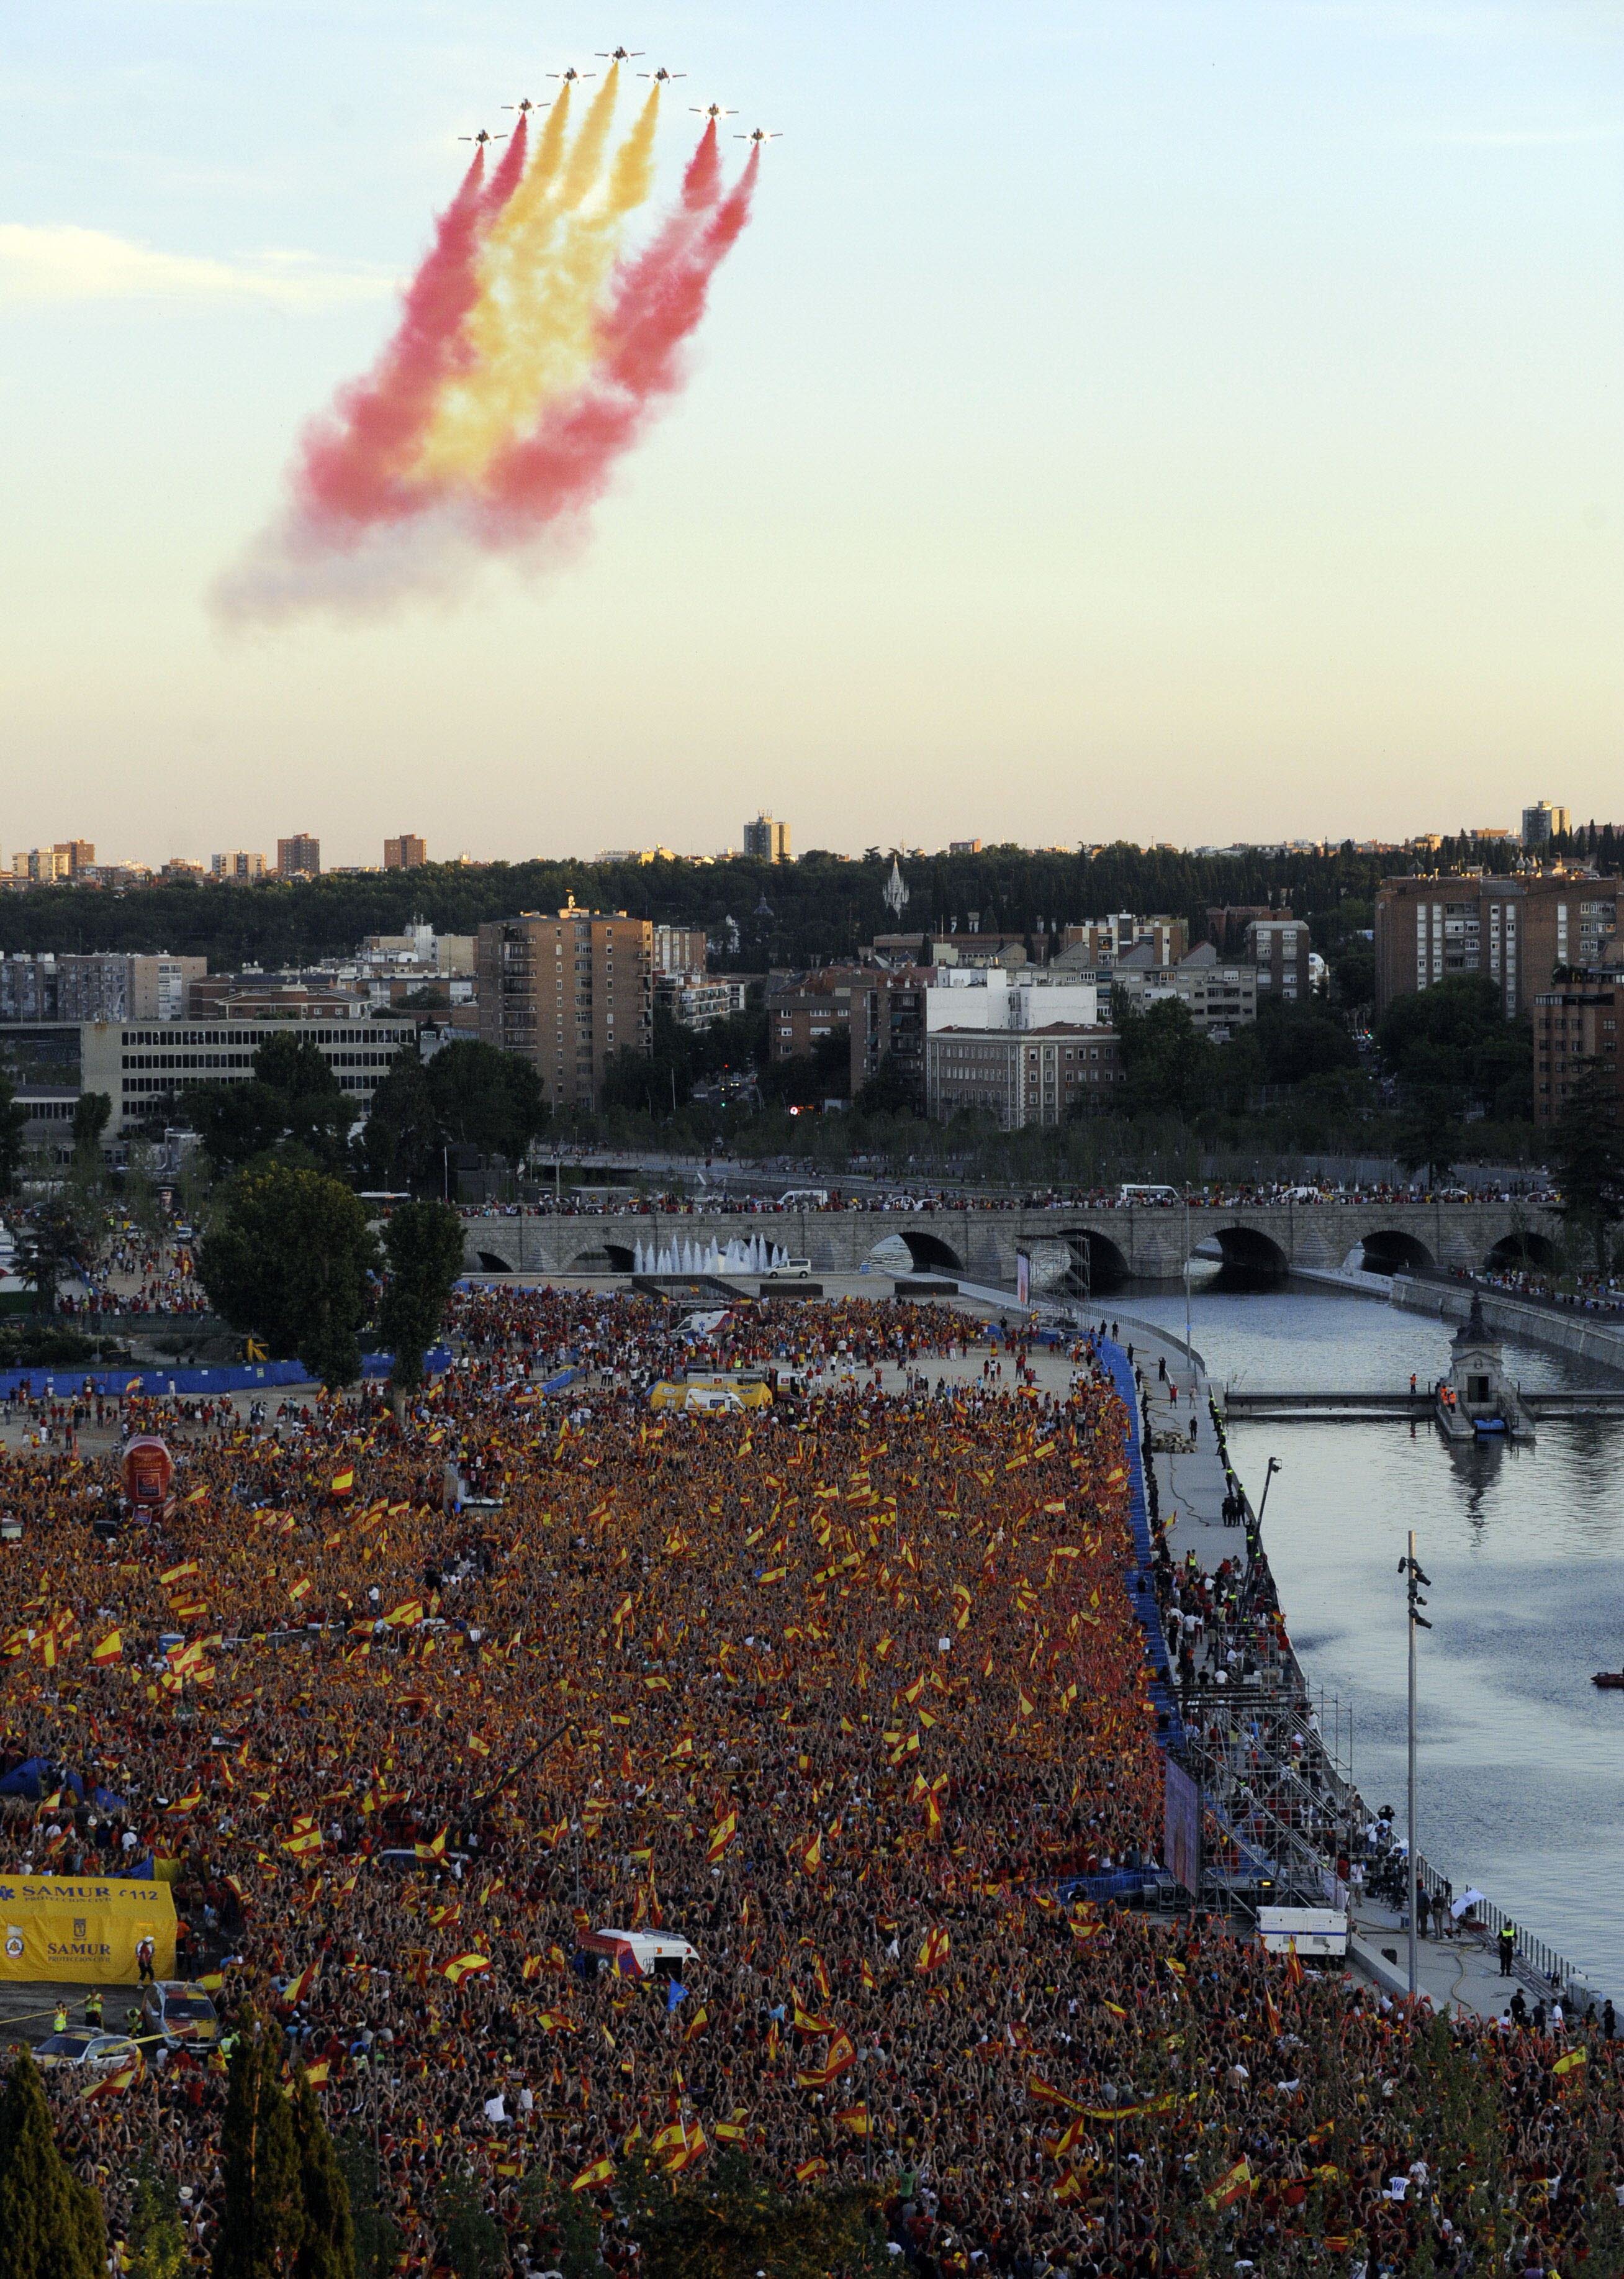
568 991
1576 1023
1514 931
1021 1075
1280 948
804 1008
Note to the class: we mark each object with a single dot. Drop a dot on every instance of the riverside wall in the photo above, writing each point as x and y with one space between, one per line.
1511 1317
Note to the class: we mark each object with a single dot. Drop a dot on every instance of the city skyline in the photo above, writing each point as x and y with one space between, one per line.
1173 428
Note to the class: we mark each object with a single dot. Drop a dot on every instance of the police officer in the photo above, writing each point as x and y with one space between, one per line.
1508 1947
93 2009
58 2024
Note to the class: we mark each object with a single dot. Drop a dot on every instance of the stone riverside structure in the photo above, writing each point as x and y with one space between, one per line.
1108 1242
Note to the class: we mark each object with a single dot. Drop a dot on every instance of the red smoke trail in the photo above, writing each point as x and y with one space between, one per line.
350 463
505 180
659 301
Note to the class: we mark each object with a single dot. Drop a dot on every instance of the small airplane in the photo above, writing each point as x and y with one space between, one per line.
662 75
525 103
619 56
484 135
712 111
570 75
760 135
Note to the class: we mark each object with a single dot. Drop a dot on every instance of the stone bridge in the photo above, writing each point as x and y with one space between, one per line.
1071 1247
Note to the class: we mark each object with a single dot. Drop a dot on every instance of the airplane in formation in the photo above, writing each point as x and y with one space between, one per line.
570 75
712 111
523 104
485 135
619 56
662 75
760 135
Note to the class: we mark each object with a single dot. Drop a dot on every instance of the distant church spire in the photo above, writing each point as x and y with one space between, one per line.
896 892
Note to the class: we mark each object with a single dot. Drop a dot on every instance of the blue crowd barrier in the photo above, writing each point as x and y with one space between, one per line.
62 1380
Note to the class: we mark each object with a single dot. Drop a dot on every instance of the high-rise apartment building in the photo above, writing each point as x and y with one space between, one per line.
238 867
569 992
1575 1027
1541 822
1514 931
79 853
97 985
406 853
766 841
1283 953
298 858
679 950
1022 1076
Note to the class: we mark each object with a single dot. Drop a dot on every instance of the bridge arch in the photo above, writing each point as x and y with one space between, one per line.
1390 1250
927 1253
1096 1264
1524 1247
1248 1250
604 1258
492 1262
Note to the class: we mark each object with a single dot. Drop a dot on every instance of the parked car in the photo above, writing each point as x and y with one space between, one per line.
87 2046
177 2011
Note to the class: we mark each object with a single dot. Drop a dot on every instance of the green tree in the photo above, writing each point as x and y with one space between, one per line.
1302 1040
58 1239
91 1113
733 2224
13 1122
1455 1036
1587 1157
262 2224
1171 1068
51 2225
377 2239
234 1122
488 1098
328 2249
894 1089
423 1243
402 1144
157 2238
287 1258
1429 1133
470 2237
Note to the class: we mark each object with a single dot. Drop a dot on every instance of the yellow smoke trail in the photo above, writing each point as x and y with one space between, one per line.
533 334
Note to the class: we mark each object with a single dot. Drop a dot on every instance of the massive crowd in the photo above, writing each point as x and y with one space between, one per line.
587 1200
846 1692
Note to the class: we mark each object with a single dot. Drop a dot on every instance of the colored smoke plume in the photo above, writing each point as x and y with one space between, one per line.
531 353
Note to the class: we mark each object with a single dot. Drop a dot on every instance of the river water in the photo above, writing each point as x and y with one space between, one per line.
1520 1786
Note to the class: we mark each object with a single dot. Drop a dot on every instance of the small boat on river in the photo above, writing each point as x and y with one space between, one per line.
1612 1678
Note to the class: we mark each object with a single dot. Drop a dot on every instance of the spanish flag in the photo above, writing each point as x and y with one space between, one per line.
114 2085
109 1649
404 1616
181 1574
316 2074
811 1853
594 2178
1231 2185
296 1989
434 1852
1044 2092
1570 2063
934 1952
344 1482
721 1836
855 2120
464 1966
809 2171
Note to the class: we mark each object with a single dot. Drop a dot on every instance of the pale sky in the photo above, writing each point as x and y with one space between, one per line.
1173 421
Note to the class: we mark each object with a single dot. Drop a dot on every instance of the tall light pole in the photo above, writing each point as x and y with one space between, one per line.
1408 1568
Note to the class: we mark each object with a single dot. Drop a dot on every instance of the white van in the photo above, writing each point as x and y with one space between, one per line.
803 1199
789 1270
1150 1193
1303 1930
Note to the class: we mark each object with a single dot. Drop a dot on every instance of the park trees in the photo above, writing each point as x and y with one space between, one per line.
469 1095
51 2225
1587 1156
289 1257
423 1244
